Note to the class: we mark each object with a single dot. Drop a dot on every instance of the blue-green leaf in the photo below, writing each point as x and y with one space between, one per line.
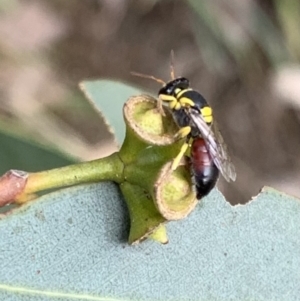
71 245
17 153
109 97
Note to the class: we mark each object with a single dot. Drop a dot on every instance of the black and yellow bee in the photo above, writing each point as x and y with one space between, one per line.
194 117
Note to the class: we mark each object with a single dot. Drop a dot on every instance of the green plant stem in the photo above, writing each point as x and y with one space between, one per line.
109 168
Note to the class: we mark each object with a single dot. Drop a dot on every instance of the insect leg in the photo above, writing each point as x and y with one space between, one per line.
183 132
172 100
178 158
160 106
172 69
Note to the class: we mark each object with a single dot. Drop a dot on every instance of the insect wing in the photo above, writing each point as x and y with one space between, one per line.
215 145
227 169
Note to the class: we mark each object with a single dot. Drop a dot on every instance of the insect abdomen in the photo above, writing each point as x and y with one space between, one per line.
204 171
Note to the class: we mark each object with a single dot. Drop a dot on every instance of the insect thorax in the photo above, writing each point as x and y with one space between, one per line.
178 83
198 100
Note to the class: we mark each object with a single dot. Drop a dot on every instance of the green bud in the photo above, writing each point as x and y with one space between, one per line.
153 191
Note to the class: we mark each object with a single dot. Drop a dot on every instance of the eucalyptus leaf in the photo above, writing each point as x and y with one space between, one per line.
71 244
109 97
18 153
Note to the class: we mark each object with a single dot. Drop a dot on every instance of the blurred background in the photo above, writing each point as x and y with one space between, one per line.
242 55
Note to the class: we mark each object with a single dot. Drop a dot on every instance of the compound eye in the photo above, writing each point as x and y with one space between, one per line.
187 82
170 90
183 82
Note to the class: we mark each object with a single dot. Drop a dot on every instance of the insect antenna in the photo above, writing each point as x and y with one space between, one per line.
172 69
149 76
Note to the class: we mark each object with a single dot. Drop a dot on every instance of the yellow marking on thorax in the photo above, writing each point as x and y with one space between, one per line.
180 92
206 113
176 101
176 91
186 102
